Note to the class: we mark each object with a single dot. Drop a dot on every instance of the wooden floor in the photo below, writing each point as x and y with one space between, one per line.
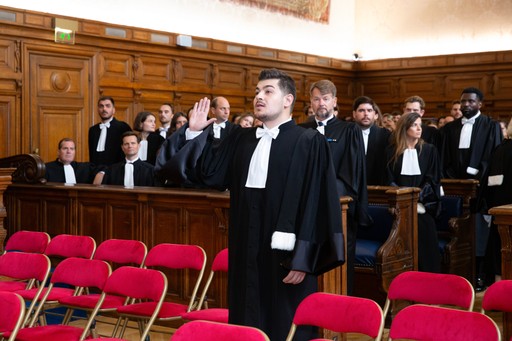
105 326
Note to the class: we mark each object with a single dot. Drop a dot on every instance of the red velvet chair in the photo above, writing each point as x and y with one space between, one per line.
76 273
431 288
25 269
425 322
27 241
339 313
214 331
220 263
122 252
137 283
12 311
498 297
169 256
116 252
67 245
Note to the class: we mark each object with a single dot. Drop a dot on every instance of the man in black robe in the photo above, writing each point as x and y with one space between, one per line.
347 148
416 104
376 139
220 110
105 137
285 224
466 148
66 170
142 172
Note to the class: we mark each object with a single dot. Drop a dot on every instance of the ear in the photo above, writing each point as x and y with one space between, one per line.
288 100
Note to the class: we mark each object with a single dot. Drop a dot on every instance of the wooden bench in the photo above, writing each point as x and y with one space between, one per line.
456 228
389 247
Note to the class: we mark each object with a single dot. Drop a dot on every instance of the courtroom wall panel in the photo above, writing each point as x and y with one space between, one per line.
49 91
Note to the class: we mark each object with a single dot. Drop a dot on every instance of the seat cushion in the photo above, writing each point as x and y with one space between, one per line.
168 310
213 314
12 286
89 301
366 252
48 333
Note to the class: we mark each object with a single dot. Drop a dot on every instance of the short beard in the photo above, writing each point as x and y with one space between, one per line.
322 116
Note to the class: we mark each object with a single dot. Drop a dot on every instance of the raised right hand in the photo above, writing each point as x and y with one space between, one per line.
198 119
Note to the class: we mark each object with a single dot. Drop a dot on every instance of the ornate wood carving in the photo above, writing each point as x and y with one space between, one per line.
25 168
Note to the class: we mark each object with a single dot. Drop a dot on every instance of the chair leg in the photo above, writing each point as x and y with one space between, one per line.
67 316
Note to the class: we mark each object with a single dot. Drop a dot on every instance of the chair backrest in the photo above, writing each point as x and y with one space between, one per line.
214 331
12 310
431 288
121 251
339 313
25 266
67 245
137 283
28 241
80 272
498 297
424 322
220 263
179 256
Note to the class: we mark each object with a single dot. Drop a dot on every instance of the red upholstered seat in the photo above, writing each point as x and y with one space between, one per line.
77 273
339 313
214 331
431 288
122 251
49 333
12 310
424 322
27 241
220 263
170 256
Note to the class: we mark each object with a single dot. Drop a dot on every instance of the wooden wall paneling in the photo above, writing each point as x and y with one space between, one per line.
195 76
115 68
124 218
57 97
20 219
455 83
165 225
8 129
155 72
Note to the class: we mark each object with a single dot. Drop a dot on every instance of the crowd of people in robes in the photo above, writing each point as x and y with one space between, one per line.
285 180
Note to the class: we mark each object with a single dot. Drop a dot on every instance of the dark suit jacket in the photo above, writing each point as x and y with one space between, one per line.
113 152
143 174
376 161
84 172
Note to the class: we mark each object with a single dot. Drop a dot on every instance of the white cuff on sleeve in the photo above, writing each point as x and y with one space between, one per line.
283 241
190 135
472 171
495 180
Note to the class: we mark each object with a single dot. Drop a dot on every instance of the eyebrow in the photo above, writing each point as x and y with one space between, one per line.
266 86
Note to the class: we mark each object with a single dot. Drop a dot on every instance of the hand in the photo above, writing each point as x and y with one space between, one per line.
294 277
98 179
198 119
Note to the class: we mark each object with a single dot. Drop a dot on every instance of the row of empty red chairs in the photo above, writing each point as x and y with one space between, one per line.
323 310
172 256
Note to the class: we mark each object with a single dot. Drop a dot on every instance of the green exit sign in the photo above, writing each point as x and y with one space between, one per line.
64 36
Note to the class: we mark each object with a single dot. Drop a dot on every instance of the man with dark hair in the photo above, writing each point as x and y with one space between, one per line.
133 171
165 114
455 110
105 137
347 148
376 139
416 104
285 224
466 148
65 169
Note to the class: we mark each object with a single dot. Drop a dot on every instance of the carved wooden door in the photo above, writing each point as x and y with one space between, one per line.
57 101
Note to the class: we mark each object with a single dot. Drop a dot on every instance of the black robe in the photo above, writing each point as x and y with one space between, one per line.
84 172
143 174
347 149
378 141
429 256
299 197
155 141
429 134
113 152
485 137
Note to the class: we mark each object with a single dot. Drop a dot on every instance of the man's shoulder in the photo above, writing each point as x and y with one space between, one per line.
123 124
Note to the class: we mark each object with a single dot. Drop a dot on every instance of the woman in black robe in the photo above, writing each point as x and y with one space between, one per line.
414 163
150 140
